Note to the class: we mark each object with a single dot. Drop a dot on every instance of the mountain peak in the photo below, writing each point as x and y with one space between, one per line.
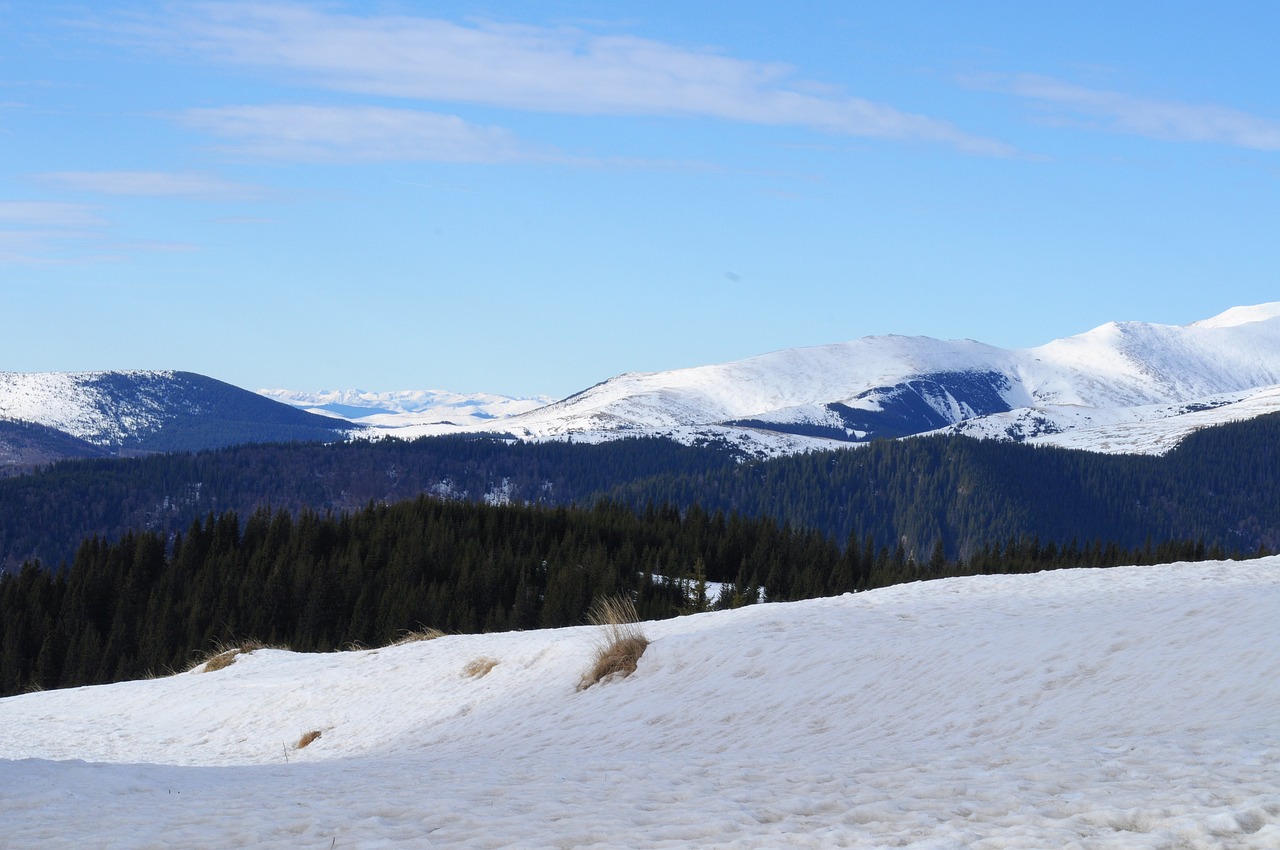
1237 316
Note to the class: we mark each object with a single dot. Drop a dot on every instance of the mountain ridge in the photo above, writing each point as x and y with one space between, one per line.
1132 374
1124 386
140 412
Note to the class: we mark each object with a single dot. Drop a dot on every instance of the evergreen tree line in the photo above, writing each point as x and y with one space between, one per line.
319 582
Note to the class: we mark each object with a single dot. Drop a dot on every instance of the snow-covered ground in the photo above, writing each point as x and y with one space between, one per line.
1124 708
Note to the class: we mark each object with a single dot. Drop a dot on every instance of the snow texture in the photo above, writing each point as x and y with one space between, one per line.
81 404
1136 707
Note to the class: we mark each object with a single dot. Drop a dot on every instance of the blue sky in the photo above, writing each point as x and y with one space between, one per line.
528 198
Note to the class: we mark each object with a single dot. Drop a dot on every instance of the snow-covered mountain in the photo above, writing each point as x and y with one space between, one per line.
1122 387
144 411
384 410
1134 707
1125 386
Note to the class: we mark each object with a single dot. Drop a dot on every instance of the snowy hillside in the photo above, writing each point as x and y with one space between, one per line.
1133 707
88 405
145 411
1139 378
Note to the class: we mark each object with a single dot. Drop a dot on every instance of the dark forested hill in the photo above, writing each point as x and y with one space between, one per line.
955 493
1220 485
27 445
45 515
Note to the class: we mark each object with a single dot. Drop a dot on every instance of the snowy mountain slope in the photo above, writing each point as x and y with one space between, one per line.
893 386
154 410
752 388
1132 707
1144 429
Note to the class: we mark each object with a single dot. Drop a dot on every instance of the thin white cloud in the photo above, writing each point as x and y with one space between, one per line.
362 133
38 232
151 184
538 69
53 233
1168 120
42 214
30 246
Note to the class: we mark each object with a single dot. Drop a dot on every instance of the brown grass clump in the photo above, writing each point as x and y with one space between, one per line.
224 655
621 641
307 738
414 635
479 667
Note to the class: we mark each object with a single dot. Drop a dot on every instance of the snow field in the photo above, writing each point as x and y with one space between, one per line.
1126 708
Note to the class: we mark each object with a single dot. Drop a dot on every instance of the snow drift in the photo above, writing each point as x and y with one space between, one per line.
1131 707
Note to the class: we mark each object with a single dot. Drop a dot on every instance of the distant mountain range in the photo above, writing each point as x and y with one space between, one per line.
1124 387
381 410
51 415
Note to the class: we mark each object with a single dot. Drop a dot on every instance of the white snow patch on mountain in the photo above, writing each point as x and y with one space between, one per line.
75 402
1241 316
1150 429
1122 708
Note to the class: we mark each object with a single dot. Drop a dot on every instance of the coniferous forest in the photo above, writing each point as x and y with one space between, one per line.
143 605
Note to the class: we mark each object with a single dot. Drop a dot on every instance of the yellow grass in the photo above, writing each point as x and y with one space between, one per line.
307 738
479 667
224 655
620 644
412 636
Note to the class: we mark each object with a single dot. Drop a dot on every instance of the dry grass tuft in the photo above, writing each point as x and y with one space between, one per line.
223 659
479 666
621 641
413 636
224 655
307 738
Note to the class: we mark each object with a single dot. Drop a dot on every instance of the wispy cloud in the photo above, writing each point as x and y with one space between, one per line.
53 233
34 232
561 70
363 133
1169 120
167 184
47 214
